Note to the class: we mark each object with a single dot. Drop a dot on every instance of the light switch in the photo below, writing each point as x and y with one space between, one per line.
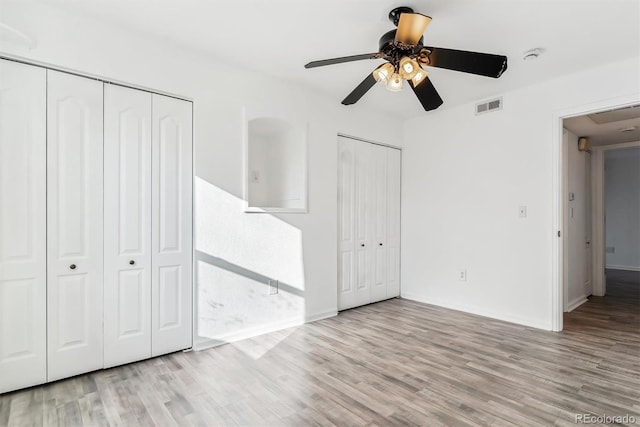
522 211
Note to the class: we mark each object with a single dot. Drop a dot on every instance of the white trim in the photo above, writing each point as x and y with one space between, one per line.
557 282
320 316
622 267
505 317
357 138
255 331
576 303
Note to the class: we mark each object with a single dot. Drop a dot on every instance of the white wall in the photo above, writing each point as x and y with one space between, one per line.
577 223
464 178
235 252
622 208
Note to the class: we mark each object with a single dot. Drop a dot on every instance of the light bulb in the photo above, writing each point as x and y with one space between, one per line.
419 77
408 68
382 73
394 84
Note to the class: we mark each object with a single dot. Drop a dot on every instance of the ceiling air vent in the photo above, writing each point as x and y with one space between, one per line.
492 105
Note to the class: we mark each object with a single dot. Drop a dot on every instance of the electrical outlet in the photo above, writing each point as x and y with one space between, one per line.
273 287
462 275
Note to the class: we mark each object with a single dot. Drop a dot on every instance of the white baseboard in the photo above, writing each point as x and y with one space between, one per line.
206 343
506 317
622 267
576 303
320 316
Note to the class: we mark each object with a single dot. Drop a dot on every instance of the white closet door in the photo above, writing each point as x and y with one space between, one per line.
171 225
22 226
127 225
379 207
74 246
346 222
362 223
393 222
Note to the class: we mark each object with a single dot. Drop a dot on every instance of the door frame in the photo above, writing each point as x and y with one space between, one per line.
558 170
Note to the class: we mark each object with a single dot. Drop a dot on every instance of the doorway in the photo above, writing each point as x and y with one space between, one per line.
594 143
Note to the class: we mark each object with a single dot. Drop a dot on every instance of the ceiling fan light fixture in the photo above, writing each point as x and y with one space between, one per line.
419 77
408 68
383 72
394 84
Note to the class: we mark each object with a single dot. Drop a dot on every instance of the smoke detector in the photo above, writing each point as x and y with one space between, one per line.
532 54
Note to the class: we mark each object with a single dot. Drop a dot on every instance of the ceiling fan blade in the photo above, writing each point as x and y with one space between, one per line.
483 64
351 58
411 27
360 90
427 94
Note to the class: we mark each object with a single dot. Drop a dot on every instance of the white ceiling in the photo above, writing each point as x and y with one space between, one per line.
605 133
279 36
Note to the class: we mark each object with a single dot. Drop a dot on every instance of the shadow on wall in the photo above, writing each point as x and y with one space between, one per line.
236 255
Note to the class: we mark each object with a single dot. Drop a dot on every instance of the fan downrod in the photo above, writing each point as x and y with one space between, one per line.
394 15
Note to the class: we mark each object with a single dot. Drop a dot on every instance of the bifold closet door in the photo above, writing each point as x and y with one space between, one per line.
74 225
394 160
127 225
379 222
171 236
354 194
23 355
368 223
346 219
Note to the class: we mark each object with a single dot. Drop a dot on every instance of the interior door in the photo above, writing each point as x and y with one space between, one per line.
127 225
22 226
171 224
75 212
394 157
346 222
379 207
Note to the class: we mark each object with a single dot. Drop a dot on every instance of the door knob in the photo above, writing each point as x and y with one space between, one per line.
132 262
72 266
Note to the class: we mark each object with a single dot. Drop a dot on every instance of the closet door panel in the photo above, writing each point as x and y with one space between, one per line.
346 223
75 212
393 221
171 224
127 246
362 223
22 225
379 222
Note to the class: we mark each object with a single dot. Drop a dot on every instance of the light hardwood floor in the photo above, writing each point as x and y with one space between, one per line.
393 363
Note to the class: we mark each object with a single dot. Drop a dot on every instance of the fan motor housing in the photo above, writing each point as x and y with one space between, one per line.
387 42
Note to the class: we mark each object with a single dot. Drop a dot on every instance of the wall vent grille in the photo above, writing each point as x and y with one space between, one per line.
487 106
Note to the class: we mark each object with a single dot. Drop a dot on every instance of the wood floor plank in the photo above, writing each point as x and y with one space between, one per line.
397 362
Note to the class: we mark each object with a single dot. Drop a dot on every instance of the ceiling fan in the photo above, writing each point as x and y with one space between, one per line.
405 54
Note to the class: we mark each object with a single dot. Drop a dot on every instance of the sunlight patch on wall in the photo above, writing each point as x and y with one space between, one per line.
236 255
